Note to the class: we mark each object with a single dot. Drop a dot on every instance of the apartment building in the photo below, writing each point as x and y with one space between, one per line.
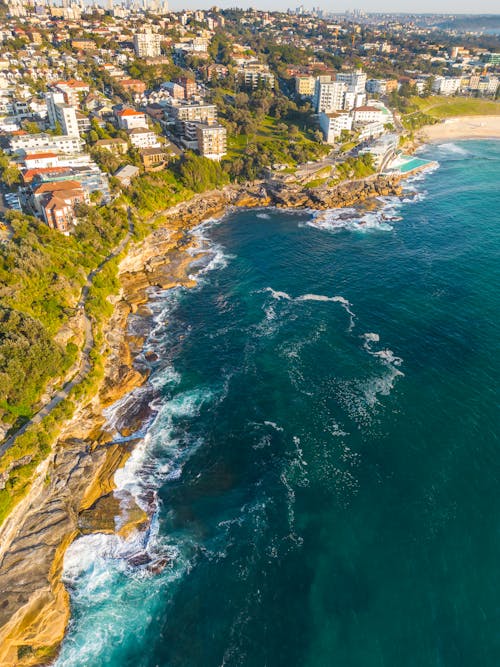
443 85
133 85
23 143
72 90
333 123
175 90
253 75
62 114
328 95
147 44
304 85
368 114
55 202
355 81
142 137
195 112
212 140
188 86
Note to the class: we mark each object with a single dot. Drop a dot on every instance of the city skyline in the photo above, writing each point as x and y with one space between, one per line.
376 6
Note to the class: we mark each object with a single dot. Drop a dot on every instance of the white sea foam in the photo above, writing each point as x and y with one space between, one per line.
263 216
278 295
385 355
352 219
214 255
313 297
453 149
274 426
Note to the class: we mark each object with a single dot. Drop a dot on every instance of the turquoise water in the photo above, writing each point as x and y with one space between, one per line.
413 163
323 450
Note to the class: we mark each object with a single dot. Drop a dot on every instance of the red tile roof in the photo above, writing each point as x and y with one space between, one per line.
130 112
39 156
58 186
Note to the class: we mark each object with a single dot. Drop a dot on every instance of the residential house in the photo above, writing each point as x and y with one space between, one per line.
129 119
153 158
142 137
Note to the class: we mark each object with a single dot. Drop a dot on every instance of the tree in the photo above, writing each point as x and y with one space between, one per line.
11 175
31 127
200 174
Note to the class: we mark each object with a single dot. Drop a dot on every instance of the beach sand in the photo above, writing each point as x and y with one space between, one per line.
462 127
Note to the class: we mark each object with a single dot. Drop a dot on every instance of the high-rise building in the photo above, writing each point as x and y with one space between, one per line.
328 95
355 81
62 114
147 44
212 140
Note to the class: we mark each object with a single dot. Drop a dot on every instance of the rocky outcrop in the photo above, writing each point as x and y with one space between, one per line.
73 491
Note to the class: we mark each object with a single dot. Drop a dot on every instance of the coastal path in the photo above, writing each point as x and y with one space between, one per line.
84 366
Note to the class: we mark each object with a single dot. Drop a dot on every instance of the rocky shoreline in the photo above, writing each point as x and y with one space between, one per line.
73 492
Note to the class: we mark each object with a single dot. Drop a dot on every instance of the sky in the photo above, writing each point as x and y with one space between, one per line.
421 6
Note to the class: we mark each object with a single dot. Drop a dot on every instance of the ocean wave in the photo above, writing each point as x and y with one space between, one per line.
263 216
385 355
453 149
345 304
352 219
96 564
214 255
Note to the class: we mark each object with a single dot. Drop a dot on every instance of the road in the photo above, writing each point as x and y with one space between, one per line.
84 366
329 161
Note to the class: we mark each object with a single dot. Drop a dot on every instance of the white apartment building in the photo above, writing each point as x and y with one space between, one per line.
62 114
51 100
371 130
355 81
197 45
352 100
328 95
444 85
333 123
147 44
41 160
66 116
488 85
368 114
45 142
141 137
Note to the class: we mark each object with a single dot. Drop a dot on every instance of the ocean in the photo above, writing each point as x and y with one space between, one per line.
322 457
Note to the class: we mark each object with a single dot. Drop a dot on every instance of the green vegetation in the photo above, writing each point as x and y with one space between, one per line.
155 191
200 174
28 451
417 119
445 107
9 173
41 275
356 167
271 142
416 112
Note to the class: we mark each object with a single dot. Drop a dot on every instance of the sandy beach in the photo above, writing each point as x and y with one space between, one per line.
462 127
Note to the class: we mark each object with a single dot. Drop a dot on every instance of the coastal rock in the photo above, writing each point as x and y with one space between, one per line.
73 490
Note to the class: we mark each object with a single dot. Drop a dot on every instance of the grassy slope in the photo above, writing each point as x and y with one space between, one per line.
267 133
446 107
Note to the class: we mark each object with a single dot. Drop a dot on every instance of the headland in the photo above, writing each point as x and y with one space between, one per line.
73 489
